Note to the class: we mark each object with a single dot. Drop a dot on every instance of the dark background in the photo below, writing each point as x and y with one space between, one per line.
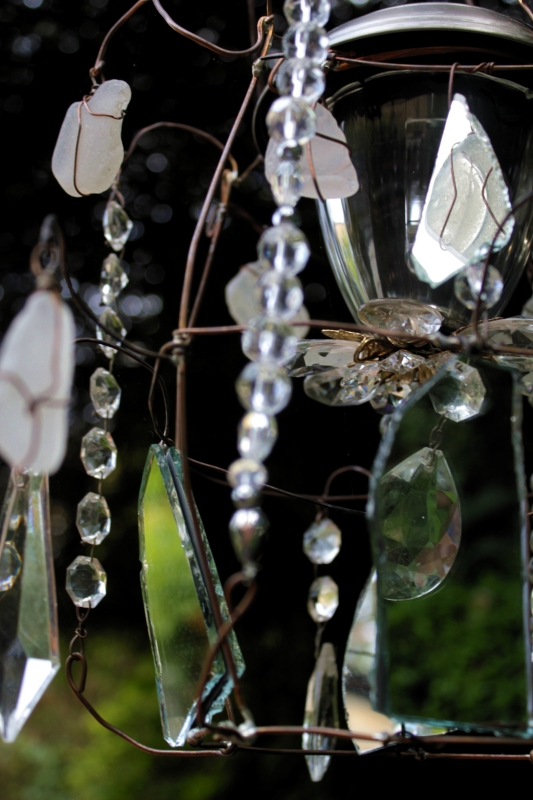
47 49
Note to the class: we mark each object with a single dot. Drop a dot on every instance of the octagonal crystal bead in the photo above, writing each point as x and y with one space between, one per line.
105 393
306 40
291 119
256 435
98 453
268 341
93 518
263 388
322 541
323 599
301 78
113 279
86 582
284 248
112 321
460 395
307 11
117 225
468 282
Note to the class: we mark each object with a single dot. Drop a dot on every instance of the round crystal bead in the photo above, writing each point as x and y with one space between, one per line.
301 77
86 582
246 528
278 295
105 393
323 599
268 341
247 478
468 282
286 214
256 435
287 183
289 151
98 453
10 567
307 11
284 248
263 388
322 541
93 518
306 40
292 119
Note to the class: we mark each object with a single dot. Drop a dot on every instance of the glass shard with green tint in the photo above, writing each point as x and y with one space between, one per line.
29 646
178 611
460 655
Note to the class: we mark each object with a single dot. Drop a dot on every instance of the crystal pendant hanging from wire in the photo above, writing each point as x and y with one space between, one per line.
178 610
29 646
321 710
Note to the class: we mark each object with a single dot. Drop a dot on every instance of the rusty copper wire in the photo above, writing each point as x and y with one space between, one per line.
454 200
272 75
379 61
95 71
450 83
526 8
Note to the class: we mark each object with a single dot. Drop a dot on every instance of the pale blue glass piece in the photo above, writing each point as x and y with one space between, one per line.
179 614
29 644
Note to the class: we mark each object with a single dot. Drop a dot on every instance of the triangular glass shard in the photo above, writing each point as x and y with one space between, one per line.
178 611
441 655
321 710
466 202
29 646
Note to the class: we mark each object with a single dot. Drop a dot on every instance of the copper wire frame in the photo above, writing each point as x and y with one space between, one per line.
227 738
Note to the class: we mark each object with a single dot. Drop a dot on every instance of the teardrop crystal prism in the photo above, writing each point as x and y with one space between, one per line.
321 710
117 225
420 525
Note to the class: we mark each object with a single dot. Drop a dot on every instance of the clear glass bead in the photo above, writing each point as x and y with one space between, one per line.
307 11
287 183
105 393
247 526
256 435
268 341
301 77
284 248
279 296
263 388
287 214
247 478
289 151
86 582
117 225
323 599
10 566
93 518
111 320
291 119
113 279
322 541
306 40
467 286
98 453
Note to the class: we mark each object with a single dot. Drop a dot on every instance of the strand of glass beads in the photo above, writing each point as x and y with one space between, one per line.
269 341
86 578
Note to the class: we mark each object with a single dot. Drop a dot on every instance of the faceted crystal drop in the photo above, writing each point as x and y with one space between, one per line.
460 394
112 321
280 297
179 613
256 435
467 286
420 525
287 184
321 710
98 453
247 527
401 361
319 355
349 386
290 119
29 643
323 599
306 40
269 342
284 248
105 393
247 478
86 582
408 316
113 279
93 518
307 11
117 225
322 541
263 388
301 78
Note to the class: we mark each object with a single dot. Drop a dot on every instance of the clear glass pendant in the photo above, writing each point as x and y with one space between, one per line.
321 710
29 644
178 610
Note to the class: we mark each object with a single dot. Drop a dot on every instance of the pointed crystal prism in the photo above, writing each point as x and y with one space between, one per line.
321 710
117 225
112 322
459 395
29 645
113 279
178 609
86 582
105 393
93 518
98 453
322 541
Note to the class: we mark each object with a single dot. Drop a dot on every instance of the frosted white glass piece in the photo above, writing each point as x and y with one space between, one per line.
335 173
36 368
96 134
